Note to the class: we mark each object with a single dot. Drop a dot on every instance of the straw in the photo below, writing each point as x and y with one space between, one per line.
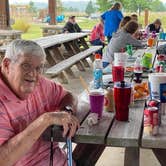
84 85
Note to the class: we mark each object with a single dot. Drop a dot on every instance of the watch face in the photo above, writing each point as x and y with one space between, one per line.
69 109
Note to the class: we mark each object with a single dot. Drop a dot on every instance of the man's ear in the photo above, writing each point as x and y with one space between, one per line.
5 64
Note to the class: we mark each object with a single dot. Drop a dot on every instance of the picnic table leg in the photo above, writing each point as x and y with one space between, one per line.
84 43
57 54
131 156
70 53
87 154
60 57
77 49
63 78
92 57
160 155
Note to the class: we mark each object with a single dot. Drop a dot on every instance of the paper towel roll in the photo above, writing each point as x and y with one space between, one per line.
155 79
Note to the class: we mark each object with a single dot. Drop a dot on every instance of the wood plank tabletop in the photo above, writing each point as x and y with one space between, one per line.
158 141
94 134
53 40
127 134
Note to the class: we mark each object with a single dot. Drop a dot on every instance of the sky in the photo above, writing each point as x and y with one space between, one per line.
14 1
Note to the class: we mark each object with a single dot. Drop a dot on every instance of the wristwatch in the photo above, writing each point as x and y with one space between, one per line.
68 109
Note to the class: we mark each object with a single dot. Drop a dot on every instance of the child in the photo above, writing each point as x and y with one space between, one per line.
97 36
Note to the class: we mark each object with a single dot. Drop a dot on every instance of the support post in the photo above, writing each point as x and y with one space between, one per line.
146 17
4 14
52 11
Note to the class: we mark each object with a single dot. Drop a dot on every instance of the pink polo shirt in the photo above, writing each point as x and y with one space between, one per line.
16 115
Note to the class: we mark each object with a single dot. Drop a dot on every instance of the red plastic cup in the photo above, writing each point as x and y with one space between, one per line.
122 95
96 102
117 73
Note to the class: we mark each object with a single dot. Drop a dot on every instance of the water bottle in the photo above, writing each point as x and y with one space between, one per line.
97 72
138 70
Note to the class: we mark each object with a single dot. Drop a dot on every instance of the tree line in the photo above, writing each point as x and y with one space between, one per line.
128 5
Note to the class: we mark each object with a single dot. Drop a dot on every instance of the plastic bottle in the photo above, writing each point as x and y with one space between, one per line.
138 70
109 100
97 72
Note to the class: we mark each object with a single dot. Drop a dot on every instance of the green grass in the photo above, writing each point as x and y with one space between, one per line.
35 31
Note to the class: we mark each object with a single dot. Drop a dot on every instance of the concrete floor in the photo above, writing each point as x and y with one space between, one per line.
112 156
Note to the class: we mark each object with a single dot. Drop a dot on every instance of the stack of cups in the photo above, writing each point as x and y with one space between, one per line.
118 67
157 84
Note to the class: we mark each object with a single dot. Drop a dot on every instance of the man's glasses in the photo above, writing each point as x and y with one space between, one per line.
29 68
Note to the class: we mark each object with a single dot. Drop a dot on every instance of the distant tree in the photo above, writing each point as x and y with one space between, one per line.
103 5
158 6
137 5
89 8
32 8
71 9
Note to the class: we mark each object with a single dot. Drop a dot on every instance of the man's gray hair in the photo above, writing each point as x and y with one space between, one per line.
20 47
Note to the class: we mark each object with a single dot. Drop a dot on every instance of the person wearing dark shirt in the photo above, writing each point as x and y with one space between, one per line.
155 26
71 26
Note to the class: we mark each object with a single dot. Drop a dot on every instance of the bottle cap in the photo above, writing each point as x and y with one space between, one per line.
97 56
122 84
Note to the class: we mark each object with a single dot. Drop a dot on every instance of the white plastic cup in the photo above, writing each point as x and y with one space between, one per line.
120 59
155 79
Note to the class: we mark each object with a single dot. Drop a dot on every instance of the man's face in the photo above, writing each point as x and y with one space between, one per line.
72 20
22 74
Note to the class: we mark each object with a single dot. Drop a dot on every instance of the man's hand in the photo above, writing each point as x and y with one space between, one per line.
69 122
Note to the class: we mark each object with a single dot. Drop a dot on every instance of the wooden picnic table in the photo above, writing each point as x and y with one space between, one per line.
48 30
110 132
6 36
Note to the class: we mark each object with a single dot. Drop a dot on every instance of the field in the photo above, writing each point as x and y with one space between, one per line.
86 23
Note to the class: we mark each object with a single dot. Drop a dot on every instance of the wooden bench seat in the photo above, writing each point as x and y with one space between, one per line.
66 63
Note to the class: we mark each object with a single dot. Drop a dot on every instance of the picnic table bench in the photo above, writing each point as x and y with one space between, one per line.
65 64
61 47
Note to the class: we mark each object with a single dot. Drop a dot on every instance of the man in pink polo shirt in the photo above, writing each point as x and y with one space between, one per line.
29 103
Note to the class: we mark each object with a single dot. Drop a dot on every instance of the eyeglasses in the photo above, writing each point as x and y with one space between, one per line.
29 68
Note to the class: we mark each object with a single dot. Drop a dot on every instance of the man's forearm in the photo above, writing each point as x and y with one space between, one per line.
69 99
16 147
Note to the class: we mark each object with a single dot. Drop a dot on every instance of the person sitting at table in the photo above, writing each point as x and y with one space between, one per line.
119 41
134 17
124 21
29 103
71 26
97 36
155 26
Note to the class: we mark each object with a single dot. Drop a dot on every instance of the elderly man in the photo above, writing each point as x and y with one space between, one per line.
29 103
